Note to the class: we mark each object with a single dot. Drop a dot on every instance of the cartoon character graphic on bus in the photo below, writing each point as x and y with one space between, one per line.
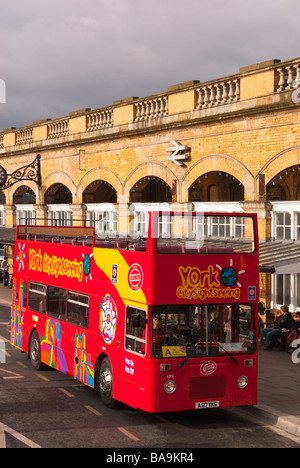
21 257
83 369
108 319
17 317
52 353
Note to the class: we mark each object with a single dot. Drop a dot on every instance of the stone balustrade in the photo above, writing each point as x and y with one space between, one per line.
24 135
256 81
58 128
289 76
99 119
152 108
218 93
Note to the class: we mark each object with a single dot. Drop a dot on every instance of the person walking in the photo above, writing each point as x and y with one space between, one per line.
282 327
4 268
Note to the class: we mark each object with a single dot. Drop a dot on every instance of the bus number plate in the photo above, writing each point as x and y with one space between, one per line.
207 404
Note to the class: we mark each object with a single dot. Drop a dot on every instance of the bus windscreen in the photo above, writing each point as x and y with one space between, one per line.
203 330
199 233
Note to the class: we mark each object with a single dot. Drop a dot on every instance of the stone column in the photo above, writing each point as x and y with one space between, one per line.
263 210
78 214
41 215
10 215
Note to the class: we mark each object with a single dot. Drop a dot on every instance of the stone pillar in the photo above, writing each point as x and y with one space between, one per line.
263 210
10 215
78 214
41 215
123 219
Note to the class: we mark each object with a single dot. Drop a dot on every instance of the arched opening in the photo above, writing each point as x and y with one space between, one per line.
151 189
58 193
285 186
2 198
24 196
99 198
58 199
216 186
24 200
99 191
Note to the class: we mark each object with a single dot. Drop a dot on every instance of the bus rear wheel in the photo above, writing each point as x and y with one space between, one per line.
35 354
105 382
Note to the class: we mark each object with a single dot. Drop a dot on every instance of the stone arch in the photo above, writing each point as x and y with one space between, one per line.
99 173
59 177
154 169
24 195
9 194
279 162
223 163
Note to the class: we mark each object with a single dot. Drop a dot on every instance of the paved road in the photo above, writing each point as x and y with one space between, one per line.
49 409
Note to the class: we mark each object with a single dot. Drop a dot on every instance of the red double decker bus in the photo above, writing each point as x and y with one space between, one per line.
166 323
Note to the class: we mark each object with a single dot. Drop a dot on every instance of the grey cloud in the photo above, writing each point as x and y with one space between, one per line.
64 55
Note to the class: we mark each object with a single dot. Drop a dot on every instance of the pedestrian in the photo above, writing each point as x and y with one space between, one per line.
295 333
4 268
281 329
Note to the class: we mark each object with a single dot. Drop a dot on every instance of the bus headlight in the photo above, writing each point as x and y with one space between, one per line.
242 381
170 387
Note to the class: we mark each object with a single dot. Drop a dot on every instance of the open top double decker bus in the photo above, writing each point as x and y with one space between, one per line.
166 323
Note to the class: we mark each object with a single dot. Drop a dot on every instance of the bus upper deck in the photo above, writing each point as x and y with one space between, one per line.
199 256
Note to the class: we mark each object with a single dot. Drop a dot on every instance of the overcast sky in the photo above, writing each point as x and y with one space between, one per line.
58 56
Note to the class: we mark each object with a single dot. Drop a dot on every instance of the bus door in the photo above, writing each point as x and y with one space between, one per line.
133 368
206 382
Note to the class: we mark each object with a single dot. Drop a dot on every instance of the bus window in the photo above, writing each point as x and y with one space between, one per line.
37 297
136 330
56 303
78 306
25 292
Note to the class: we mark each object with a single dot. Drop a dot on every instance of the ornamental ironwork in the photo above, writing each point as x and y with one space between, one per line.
30 172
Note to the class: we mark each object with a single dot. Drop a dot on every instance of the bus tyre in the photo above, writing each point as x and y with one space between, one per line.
106 384
35 351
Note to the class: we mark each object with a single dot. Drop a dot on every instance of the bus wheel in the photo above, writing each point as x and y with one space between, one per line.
35 351
106 384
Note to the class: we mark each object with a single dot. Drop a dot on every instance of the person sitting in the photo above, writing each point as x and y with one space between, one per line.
297 323
295 333
281 329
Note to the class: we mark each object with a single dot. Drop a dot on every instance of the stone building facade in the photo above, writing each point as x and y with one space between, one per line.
241 136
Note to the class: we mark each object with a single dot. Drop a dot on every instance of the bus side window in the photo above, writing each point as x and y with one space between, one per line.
37 297
78 308
135 339
25 293
56 303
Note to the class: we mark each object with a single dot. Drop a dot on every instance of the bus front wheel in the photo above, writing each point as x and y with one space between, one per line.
106 384
35 351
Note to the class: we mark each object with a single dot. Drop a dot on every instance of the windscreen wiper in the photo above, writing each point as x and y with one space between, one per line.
183 362
231 357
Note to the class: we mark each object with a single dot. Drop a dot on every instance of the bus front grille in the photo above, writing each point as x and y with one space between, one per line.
207 387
